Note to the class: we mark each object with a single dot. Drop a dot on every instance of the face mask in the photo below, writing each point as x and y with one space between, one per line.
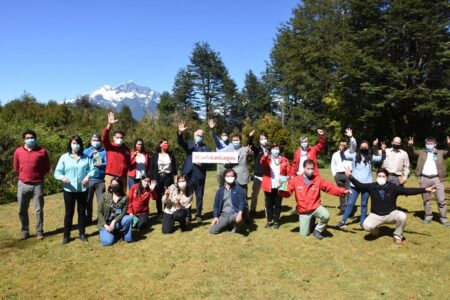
144 184
198 139
118 141
275 152
224 138
96 145
263 142
165 147
230 180
75 147
182 185
364 151
304 145
309 173
381 181
30 143
236 144
395 146
114 188
430 148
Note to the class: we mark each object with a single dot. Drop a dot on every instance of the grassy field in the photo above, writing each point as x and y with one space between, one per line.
261 264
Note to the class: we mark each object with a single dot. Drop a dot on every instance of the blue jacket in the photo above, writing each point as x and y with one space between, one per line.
190 147
74 170
238 196
220 145
99 171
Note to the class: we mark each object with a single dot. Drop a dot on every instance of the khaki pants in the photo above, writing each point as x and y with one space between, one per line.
440 197
398 217
123 179
305 220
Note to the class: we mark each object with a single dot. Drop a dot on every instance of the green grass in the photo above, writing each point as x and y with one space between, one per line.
265 264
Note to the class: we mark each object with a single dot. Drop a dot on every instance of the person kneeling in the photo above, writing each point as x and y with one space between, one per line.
384 210
307 187
177 200
229 204
138 197
112 208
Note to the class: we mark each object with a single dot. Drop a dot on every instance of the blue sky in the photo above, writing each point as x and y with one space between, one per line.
62 49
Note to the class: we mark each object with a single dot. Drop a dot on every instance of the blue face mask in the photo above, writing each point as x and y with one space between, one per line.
236 144
198 139
275 152
304 145
30 143
75 147
430 148
96 145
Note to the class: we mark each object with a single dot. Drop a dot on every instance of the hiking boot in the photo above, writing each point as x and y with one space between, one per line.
317 234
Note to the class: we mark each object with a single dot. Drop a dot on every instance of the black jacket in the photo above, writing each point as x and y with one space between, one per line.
258 152
384 206
154 166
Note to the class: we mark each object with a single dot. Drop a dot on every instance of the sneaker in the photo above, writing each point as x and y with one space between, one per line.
66 240
234 230
317 234
446 224
268 225
198 218
425 221
83 238
24 236
341 213
341 225
40 236
276 225
398 242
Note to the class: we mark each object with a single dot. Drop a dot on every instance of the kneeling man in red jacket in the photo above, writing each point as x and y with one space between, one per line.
307 187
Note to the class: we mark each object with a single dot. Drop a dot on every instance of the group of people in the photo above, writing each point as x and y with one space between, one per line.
124 181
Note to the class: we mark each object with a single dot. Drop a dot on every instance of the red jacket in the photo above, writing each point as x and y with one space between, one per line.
132 167
266 179
311 153
138 204
117 157
31 166
308 197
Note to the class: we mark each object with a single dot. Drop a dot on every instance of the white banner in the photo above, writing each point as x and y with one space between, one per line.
215 157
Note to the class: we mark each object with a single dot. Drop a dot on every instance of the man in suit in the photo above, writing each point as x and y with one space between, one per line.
196 173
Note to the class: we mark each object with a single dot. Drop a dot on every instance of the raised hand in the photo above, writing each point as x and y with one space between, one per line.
152 185
411 140
375 142
212 123
182 127
319 131
111 118
348 132
252 133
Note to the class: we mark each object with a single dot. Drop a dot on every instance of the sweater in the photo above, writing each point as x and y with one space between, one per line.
104 208
118 160
138 204
31 166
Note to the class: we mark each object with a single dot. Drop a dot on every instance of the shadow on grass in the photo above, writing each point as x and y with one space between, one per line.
389 231
421 215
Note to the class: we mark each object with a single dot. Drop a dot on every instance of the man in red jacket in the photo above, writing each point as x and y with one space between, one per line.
306 151
117 153
31 163
307 187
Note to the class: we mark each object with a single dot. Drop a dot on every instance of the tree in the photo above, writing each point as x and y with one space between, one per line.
256 97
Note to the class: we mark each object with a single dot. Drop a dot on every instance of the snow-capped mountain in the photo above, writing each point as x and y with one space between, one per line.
140 99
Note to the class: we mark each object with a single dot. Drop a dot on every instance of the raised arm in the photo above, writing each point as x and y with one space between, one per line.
320 146
181 129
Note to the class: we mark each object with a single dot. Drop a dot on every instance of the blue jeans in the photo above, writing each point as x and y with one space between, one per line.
351 203
107 238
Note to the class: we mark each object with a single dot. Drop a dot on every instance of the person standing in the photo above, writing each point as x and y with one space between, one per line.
338 163
221 143
31 164
139 163
195 172
431 172
163 168
117 153
97 182
229 204
305 151
74 169
384 203
306 188
396 162
258 152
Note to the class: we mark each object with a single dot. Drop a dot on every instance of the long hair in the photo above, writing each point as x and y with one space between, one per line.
79 141
120 192
188 190
158 146
139 140
367 157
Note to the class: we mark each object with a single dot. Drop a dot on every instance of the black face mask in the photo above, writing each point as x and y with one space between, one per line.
114 188
396 147
364 151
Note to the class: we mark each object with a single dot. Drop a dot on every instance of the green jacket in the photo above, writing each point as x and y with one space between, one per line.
421 156
104 207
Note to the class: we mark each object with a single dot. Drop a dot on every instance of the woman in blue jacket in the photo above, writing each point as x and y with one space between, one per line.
74 169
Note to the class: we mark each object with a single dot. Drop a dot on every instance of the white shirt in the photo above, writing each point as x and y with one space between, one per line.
140 165
275 173
339 165
164 163
303 157
429 168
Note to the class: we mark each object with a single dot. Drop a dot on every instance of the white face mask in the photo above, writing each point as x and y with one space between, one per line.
118 141
309 173
224 138
381 181
263 142
144 184
230 180
182 185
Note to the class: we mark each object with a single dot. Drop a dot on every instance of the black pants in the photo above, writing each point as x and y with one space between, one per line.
96 187
163 182
70 199
197 180
169 221
342 181
273 206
